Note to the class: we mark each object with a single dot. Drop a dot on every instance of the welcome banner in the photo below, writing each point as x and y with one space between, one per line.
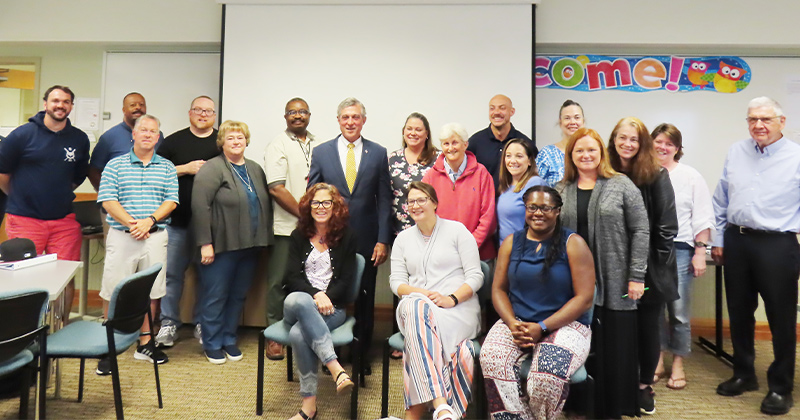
725 74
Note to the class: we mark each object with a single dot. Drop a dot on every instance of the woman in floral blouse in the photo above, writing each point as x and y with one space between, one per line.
410 164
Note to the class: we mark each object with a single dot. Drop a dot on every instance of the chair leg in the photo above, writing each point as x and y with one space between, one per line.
478 393
260 375
155 363
112 356
289 369
44 371
385 380
356 377
25 390
80 380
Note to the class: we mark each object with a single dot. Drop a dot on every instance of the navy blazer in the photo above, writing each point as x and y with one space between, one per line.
370 202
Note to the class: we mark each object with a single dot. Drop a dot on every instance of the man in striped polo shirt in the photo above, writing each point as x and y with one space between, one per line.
138 190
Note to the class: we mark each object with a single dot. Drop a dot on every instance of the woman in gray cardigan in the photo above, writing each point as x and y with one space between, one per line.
607 210
232 216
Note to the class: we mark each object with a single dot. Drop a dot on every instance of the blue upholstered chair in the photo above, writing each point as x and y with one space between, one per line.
341 336
23 341
127 309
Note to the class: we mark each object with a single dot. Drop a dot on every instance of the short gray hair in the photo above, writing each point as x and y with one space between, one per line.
448 130
146 117
348 102
766 102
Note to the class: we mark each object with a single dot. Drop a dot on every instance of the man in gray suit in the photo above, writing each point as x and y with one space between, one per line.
359 169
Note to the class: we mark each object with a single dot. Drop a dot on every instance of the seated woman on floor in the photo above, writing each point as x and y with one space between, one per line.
543 289
320 269
436 272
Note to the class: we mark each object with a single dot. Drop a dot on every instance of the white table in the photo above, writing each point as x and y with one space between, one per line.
53 277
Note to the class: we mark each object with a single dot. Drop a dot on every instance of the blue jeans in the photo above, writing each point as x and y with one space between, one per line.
226 282
676 331
181 251
310 336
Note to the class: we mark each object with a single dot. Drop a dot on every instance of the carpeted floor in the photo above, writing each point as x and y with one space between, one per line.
195 389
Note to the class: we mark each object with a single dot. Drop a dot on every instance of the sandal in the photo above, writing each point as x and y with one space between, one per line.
306 416
450 415
671 383
345 384
396 354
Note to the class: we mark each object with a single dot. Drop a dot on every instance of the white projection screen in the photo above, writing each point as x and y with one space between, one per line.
445 61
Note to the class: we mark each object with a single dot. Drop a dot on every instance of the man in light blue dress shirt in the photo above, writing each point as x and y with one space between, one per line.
757 208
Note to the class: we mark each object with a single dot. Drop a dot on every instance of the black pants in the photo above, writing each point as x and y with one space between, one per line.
649 339
769 265
365 308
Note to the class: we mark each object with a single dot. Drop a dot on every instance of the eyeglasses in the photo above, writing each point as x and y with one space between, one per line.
325 204
764 120
293 112
201 111
533 208
419 201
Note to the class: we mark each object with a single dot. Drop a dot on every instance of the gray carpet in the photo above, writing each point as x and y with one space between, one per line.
195 389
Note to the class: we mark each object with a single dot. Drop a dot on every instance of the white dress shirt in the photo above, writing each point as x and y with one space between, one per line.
342 146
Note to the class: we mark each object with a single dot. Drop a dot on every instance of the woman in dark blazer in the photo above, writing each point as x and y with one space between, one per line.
319 274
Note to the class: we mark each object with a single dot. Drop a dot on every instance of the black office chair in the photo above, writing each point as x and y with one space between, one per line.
23 342
127 309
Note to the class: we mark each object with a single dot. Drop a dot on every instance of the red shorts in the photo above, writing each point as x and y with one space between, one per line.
60 236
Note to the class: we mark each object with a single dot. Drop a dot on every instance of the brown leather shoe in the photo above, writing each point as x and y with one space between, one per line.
275 350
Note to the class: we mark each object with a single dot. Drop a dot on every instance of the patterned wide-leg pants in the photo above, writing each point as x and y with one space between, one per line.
554 359
427 373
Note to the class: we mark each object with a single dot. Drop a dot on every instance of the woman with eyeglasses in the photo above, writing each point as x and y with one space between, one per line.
631 151
232 217
550 160
607 210
542 291
320 269
436 273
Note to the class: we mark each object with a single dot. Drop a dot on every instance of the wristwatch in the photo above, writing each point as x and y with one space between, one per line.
700 244
153 218
545 331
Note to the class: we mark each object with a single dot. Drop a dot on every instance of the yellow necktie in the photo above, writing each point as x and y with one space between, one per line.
350 170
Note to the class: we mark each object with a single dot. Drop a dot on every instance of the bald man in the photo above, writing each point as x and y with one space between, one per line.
487 144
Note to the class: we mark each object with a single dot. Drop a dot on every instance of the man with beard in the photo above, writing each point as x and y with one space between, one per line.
188 150
41 164
118 140
487 144
287 161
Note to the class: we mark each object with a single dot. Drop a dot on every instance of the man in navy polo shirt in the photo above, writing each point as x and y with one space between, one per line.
487 144
41 163
118 140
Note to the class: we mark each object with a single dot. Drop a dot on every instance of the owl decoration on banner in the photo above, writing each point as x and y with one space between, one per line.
695 73
727 79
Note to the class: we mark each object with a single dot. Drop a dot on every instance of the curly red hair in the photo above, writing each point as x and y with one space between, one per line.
339 217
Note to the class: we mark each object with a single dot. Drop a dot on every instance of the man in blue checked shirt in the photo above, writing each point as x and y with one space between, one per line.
757 208
138 190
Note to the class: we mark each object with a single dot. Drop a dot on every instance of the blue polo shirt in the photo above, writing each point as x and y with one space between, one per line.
44 166
117 141
139 188
487 149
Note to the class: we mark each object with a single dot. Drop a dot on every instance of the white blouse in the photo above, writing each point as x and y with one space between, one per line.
319 270
692 203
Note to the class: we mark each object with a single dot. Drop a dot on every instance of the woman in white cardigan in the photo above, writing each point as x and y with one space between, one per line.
436 272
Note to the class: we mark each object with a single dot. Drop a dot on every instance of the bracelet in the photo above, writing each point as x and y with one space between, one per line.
455 299
545 331
153 218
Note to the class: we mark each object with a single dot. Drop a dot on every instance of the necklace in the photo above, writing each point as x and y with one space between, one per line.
246 183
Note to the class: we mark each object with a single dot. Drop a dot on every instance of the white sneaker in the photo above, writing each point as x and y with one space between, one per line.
166 336
198 333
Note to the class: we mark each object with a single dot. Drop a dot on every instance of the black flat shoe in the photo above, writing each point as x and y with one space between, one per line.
776 404
736 386
306 416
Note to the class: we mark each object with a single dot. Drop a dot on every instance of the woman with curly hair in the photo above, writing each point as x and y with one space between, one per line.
321 266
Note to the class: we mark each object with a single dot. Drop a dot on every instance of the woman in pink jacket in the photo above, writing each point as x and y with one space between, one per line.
465 189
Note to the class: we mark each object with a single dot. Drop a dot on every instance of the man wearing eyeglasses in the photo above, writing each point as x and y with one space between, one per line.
286 160
757 208
118 140
188 149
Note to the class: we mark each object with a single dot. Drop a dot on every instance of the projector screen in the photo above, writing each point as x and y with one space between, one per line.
445 61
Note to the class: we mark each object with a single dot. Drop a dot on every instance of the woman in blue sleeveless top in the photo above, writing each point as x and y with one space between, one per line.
542 291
